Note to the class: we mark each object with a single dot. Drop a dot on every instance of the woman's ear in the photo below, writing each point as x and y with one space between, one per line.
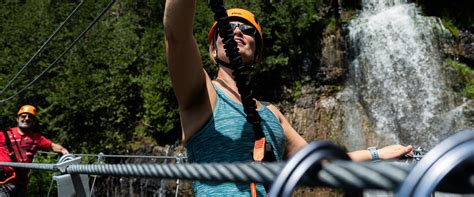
212 54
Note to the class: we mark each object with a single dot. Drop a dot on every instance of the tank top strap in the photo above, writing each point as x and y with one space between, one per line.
224 96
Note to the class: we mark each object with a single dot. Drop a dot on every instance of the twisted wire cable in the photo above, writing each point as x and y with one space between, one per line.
206 172
35 166
338 174
341 174
351 175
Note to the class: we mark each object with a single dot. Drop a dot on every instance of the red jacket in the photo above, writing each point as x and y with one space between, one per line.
25 147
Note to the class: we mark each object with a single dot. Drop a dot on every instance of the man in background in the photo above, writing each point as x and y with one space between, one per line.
21 145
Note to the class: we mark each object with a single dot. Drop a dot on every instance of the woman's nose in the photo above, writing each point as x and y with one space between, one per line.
237 31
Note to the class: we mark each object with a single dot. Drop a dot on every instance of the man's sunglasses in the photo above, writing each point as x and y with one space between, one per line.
23 116
246 29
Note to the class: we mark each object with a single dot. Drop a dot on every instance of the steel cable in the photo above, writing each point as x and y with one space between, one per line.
338 174
35 166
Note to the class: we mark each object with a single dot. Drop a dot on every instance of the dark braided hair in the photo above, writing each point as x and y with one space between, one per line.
241 73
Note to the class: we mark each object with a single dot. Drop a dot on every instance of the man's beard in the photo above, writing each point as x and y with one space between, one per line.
25 125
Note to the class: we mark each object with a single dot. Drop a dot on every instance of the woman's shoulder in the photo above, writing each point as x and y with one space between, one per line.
274 109
270 106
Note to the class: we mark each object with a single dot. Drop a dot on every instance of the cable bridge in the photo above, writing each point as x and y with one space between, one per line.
448 167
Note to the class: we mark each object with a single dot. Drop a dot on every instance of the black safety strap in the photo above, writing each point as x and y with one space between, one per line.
11 152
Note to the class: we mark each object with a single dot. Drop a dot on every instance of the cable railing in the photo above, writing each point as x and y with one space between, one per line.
101 158
448 167
102 155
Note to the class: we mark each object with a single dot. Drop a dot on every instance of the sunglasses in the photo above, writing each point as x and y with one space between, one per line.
245 29
23 116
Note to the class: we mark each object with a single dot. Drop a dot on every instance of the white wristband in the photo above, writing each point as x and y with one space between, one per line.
374 153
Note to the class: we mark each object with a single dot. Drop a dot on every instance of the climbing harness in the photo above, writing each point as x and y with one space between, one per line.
262 150
8 178
11 152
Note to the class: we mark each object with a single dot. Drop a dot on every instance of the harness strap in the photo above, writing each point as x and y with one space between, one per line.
258 155
259 149
8 179
11 152
219 61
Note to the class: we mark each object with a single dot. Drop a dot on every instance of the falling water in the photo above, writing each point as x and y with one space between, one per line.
396 91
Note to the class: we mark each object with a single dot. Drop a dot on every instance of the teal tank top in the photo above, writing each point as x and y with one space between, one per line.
227 138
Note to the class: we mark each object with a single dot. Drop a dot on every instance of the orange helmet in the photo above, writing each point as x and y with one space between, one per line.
30 109
243 15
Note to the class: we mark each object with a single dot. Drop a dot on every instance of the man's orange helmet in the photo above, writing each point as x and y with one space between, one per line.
240 14
30 109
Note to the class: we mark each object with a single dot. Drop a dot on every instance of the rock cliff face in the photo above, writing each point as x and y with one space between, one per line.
319 112
465 47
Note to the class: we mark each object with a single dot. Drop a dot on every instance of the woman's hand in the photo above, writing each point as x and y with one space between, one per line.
394 151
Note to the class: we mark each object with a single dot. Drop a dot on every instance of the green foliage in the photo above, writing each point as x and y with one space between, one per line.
113 86
457 12
448 23
41 182
333 89
331 25
296 90
467 74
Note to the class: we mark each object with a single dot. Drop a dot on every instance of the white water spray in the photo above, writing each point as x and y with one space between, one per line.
397 92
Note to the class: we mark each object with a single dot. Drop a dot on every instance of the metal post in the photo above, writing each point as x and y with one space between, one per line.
71 184
179 159
162 191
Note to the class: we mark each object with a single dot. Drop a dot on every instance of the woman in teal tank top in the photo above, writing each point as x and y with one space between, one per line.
229 137
212 118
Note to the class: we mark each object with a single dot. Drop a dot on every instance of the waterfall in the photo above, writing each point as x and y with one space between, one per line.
396 90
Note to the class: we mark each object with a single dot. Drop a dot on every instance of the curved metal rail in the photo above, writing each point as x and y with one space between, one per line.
449 164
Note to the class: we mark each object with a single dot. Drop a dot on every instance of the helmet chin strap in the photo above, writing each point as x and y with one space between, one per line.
228 65
221 62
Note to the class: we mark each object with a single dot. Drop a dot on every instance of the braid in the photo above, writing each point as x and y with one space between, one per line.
241 73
